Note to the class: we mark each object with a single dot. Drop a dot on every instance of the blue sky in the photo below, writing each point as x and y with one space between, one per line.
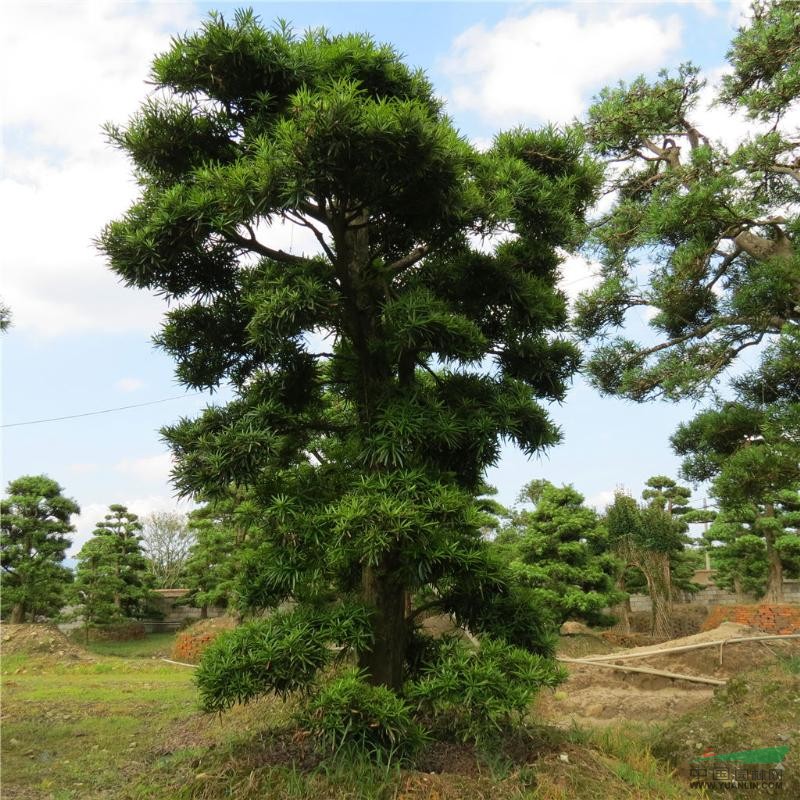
81 342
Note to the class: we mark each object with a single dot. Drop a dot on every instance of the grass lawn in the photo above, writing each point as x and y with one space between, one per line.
128 728
154 645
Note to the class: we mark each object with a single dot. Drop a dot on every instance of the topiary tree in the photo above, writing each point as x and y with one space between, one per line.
111 577
34 523
373 378
718 224
749 447
560 550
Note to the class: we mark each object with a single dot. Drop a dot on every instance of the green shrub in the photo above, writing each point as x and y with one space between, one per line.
350 714
280 654
476 693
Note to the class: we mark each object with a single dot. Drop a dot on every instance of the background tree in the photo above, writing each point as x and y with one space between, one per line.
739 555
215 558
34 523
644 537
363 452
668 495
750 448
166 540
719 225
111 579
560 550
5 317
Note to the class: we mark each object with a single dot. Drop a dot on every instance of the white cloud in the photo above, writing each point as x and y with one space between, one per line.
84 524
83 64
545 64
93 513
151 468
601 500
128 384
578 274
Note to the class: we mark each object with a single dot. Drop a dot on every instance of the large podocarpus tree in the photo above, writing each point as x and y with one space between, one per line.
374 379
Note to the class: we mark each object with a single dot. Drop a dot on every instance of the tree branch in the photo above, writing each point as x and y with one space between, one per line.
318 234
406 261
255 246
784 170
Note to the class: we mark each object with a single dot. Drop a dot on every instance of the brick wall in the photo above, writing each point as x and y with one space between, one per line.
775 618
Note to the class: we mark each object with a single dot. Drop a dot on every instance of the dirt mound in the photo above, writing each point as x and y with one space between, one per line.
212 624
37 640
190 643
619 640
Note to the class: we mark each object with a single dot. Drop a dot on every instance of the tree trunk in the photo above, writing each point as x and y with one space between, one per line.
622 611
658 584
384 661
203 612
737 588
18 613
774 593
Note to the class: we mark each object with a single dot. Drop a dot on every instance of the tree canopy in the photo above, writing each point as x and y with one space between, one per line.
560 550
749 447
375 376
166 540
717 223
111 580
34 524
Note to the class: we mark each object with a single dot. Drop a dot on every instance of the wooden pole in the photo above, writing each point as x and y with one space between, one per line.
685 647
660 672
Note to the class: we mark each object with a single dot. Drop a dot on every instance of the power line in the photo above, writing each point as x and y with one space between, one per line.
104 411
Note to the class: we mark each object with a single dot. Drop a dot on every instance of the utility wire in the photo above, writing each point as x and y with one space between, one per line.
94 413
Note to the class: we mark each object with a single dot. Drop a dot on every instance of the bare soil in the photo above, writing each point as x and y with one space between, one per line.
598 696
40 639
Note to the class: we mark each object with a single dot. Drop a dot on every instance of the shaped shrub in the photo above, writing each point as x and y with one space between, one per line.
349 713
475 693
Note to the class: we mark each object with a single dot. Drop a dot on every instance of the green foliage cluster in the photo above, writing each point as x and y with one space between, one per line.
213 563
559 551
34 523
718 225
349 714
476 693
749 447
280 654
111 578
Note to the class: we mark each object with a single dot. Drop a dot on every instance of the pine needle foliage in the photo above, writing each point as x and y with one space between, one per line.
716 223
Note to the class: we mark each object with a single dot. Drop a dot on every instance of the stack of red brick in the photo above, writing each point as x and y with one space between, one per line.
766 617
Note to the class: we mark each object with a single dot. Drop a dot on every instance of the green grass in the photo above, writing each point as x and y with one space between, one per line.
128 728
154 645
